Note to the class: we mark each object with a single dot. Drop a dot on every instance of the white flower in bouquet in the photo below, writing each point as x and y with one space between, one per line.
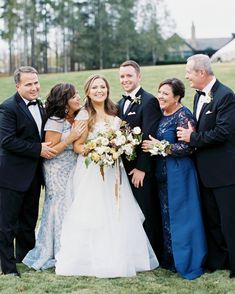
128 149
130 137
118 133
104 141
137 130
119 140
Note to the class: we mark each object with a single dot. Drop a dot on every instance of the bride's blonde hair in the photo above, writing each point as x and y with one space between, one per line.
110 107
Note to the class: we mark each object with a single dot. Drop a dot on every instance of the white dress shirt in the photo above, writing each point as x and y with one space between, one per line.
34 109
128 102
201 98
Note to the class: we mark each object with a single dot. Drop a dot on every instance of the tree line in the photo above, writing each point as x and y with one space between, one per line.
69 35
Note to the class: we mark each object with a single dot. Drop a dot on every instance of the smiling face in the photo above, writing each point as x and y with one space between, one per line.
195 77
129 78
73 104
168 102
98 91
28 87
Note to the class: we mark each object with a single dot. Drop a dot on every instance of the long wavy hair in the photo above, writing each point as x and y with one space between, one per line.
57 100
110 107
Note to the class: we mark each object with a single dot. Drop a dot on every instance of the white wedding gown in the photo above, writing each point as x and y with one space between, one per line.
99 237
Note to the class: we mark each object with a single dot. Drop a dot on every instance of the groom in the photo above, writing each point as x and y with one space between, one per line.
21 134
140 108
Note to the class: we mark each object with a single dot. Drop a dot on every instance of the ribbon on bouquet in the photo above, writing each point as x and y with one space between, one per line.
118 182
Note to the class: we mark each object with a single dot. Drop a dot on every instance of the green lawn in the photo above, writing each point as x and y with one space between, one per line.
151 77
158 281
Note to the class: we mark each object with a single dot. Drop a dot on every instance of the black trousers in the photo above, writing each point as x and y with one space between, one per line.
148 200
18 218
219 215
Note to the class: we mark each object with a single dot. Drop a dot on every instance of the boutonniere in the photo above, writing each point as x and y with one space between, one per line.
41 102
208 98
136 99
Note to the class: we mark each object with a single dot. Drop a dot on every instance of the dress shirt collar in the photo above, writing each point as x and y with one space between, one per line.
134 92
209 86
25 100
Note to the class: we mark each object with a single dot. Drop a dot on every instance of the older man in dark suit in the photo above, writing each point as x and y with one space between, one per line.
21 134
214 140
140 108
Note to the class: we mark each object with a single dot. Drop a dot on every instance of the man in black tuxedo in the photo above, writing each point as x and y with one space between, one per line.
21 134
140 108
214 140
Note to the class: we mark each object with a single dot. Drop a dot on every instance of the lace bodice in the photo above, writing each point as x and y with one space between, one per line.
168 127
99 126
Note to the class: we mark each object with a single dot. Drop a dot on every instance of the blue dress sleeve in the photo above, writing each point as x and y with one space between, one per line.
180 148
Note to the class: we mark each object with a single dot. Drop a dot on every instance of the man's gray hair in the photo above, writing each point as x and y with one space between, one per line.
23 69
201 62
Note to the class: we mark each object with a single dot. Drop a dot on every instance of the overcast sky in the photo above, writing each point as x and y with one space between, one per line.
212 18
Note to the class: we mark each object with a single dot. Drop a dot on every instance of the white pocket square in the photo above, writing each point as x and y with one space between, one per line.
209 112
131 113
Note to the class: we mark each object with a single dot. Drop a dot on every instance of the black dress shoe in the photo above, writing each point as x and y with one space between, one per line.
232 275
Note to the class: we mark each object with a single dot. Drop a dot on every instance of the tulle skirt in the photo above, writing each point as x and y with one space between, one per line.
102 234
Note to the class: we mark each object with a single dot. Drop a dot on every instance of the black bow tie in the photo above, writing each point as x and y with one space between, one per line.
127 97
201 93
33 102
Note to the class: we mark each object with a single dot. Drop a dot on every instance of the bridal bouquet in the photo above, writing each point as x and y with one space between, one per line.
110 144
160 148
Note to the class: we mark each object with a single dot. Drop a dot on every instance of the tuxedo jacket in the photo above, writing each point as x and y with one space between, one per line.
20 144
145 115
214 138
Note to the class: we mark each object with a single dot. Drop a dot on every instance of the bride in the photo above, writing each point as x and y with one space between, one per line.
98 237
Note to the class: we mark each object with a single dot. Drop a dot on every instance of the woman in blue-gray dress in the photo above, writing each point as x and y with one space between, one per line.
61 106
183 231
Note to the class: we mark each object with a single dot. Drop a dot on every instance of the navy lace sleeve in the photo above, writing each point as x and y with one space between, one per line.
181 148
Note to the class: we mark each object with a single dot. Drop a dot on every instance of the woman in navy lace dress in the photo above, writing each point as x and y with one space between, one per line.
183 232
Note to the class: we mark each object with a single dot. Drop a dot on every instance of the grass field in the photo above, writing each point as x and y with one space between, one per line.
158 281
151 77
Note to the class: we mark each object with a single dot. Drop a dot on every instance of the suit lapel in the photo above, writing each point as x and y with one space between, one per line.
128 109
133 104
213 89
196 98
43 116
26 111
202 110
121 106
